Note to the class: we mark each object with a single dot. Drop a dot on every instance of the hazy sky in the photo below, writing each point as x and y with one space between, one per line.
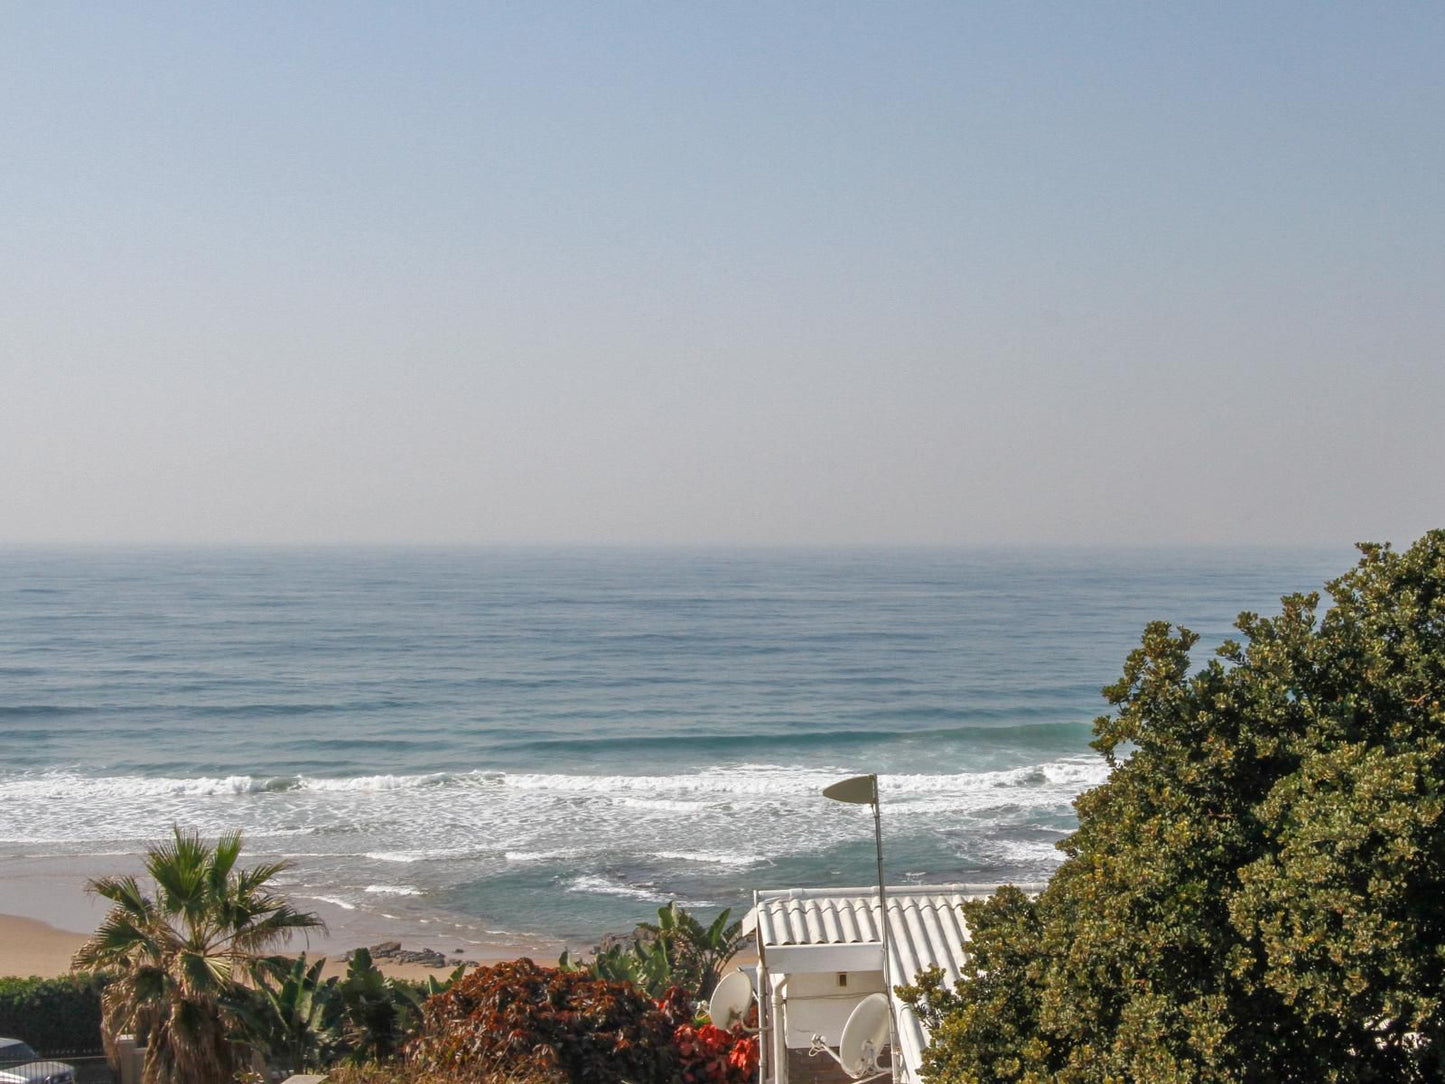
722 273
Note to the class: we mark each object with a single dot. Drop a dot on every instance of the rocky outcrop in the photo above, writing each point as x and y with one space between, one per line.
392 952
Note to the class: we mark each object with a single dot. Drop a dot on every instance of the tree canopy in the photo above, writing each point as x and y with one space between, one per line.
1257 892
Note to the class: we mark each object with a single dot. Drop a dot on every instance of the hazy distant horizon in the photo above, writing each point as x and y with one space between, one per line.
1347 551
931 274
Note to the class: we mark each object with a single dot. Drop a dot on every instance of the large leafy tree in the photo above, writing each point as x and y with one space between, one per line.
180 952
1257 893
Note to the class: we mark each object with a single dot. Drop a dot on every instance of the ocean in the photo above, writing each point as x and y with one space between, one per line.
503 747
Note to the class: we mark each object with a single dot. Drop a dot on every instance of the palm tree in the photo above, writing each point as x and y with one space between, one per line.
205 932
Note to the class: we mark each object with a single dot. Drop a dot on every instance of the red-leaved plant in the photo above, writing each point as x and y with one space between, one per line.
706 1053
549 1024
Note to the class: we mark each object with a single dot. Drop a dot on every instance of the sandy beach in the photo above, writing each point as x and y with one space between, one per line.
46 914
29 947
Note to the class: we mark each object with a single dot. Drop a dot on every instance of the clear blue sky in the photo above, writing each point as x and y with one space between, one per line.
727 273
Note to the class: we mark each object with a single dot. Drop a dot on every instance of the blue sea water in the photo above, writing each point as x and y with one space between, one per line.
549 743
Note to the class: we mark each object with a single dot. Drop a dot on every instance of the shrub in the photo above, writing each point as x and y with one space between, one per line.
676 951
710 1055
501 1022
56 1016
1258 891
706 1054
401 1073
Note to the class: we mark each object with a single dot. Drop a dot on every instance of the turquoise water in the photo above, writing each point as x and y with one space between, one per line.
551 742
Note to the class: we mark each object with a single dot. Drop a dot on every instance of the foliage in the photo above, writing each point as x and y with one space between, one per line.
55 1016
297 1021
402 1073
292 1022
676 951
559 1025
178 954
1258 890
377 1013
707 1054
643 961
710 1055
698 953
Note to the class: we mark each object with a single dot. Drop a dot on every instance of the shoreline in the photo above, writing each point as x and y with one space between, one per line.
46 914
32 948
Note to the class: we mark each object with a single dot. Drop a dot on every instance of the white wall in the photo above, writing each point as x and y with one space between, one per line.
816 1004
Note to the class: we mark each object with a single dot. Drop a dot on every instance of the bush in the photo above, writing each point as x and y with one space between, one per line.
55 1016
1258 891
520 1021
400 1073
707 1054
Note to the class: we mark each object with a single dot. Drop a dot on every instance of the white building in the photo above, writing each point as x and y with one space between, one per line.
820 954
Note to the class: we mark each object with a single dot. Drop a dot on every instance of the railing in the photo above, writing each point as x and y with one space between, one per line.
70 1068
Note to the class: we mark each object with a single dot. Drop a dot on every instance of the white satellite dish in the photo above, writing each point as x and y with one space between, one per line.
730 1001
864 1036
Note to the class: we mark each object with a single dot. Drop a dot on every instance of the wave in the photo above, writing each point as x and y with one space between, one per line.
605 886
789 782
433 854
543 856
741 781
335 901
48 783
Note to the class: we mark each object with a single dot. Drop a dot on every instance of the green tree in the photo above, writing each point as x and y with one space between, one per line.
177 954
1257 893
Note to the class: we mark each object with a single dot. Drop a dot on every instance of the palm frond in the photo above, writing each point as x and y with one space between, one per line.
125 891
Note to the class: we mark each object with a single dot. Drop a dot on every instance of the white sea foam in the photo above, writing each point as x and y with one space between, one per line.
335 901
427 854
377 782
742 781
720 858
605 886
697 817
695 833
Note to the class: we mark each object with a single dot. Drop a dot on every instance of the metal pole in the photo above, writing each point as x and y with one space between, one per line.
883 922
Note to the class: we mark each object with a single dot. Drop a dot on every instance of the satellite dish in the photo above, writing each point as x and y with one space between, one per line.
731 999
864 1036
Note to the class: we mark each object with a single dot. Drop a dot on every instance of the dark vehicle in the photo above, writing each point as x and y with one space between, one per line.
21 1065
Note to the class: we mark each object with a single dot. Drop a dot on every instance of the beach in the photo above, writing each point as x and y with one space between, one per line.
46 914
30 947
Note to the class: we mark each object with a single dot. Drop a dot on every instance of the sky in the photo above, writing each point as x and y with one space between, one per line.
722 274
